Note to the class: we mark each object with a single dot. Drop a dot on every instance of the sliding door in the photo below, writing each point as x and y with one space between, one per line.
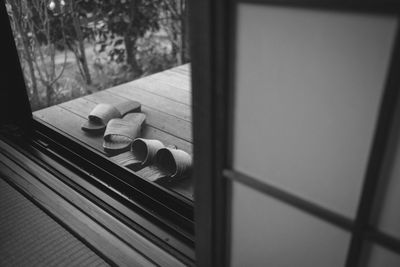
314 170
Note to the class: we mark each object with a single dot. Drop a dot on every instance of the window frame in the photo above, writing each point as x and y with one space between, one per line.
166 211
211 34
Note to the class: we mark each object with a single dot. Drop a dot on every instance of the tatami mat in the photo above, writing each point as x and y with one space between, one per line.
29 237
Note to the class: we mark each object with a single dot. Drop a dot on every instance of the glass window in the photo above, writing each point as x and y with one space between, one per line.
109 72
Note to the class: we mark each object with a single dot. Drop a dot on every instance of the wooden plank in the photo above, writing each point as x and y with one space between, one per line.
182 71
70 123
161 88
81 107
183 75
157 119
131 91
178 73
175 79
185 69
166 80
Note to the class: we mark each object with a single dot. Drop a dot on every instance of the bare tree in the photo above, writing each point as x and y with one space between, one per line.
175 19
44 55
18 21
77 46
68 16
31 19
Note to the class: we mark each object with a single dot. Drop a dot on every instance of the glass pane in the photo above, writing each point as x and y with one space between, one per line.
266 232
91 57
308 88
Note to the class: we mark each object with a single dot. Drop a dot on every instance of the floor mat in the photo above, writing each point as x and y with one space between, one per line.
29 237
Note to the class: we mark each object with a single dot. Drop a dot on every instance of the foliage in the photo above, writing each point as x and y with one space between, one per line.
32 22
174 19
126 21
69 48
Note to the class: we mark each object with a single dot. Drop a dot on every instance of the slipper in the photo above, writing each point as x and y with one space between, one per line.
101 114
169 165
142 153
120 133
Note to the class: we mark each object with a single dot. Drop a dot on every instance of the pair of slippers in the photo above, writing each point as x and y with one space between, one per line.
152 160
121 124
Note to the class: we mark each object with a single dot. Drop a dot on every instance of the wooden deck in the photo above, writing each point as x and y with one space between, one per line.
165 99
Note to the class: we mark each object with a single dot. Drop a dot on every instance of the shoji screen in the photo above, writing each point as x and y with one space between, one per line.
386 216
308 88
381 257
266 232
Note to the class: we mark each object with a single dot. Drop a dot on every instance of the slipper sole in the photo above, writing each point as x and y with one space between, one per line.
93 127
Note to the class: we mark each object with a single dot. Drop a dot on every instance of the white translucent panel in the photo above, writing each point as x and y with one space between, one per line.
381 257
388 215
266 232
308 88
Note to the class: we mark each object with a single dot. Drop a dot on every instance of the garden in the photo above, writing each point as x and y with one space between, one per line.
71 48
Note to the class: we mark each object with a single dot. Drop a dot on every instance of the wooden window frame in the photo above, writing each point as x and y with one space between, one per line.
210 35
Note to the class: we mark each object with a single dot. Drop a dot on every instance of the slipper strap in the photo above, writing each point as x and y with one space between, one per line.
183 161
122 127
128 106
104 113
149 147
